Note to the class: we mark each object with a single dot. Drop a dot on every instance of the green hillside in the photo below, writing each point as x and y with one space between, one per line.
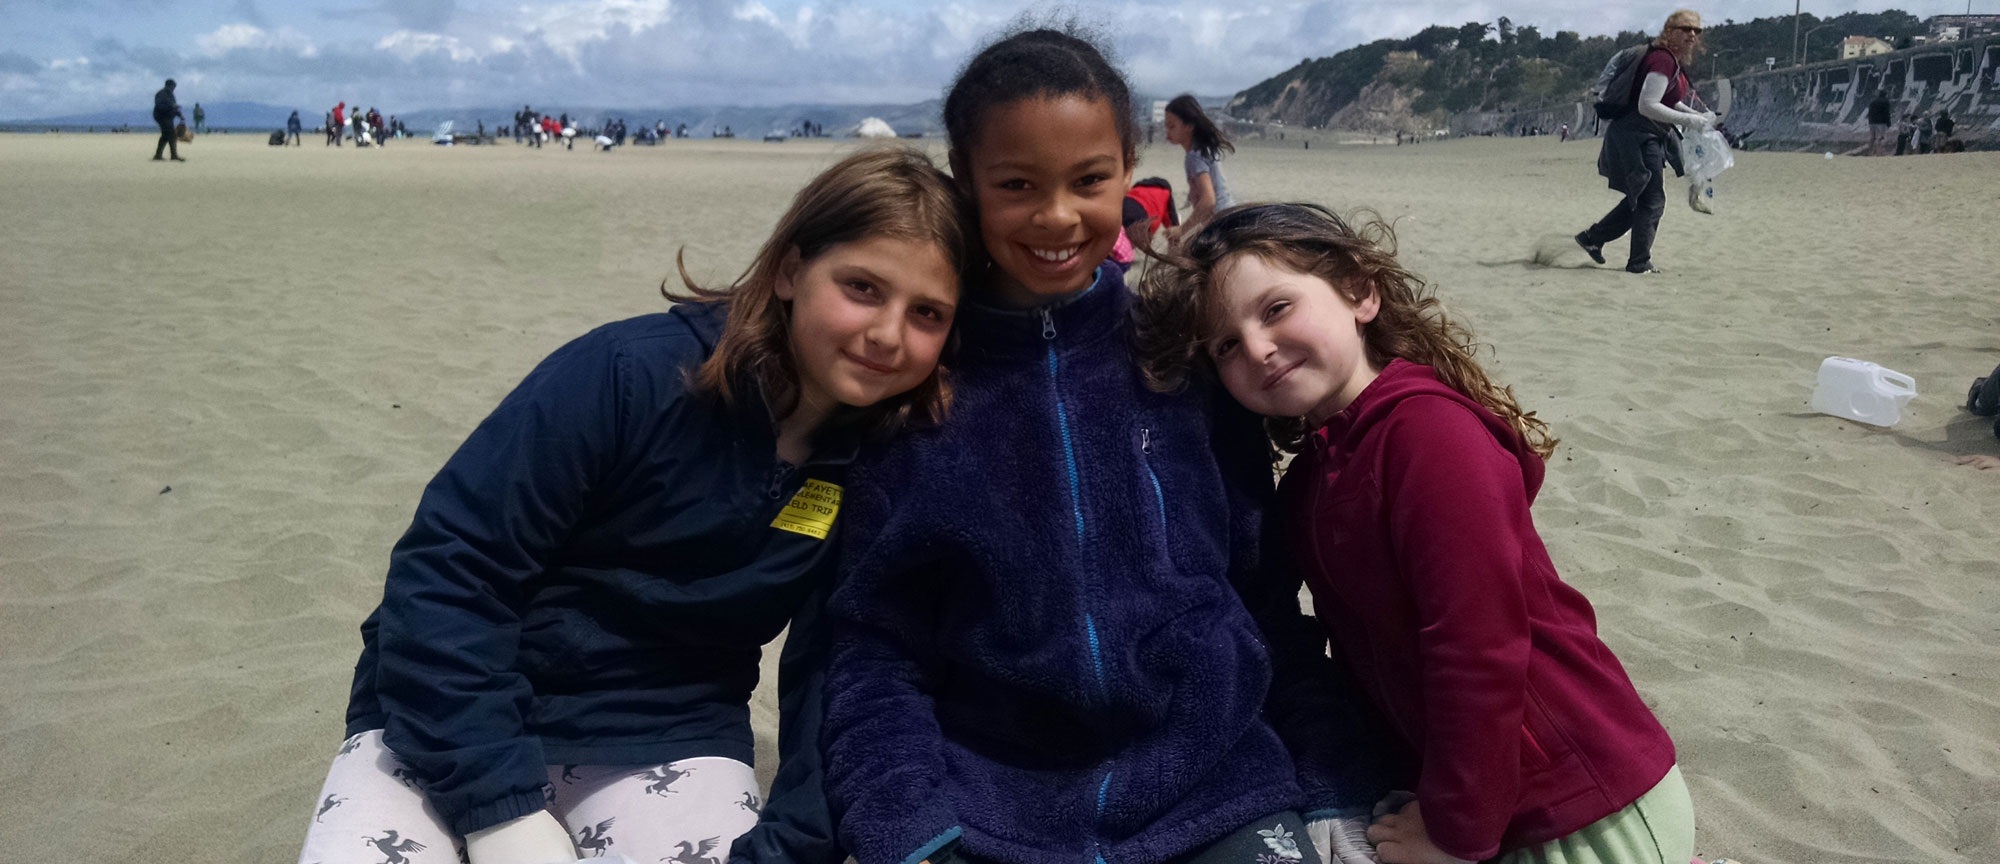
1505 66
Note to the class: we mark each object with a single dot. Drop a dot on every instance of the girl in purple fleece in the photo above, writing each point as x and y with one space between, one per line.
1042 651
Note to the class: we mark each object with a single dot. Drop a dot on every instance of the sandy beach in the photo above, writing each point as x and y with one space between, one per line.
224 383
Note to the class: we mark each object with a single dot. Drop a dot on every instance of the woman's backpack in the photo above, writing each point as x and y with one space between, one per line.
1614 84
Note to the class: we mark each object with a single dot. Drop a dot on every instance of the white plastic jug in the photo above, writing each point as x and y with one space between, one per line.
1862 391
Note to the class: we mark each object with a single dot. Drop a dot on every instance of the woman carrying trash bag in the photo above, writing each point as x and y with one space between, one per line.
1639 143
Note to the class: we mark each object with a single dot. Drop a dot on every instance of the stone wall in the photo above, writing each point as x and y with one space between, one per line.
1822 106
1825 105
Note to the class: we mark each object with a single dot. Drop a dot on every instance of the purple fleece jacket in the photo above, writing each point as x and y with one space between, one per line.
1042 649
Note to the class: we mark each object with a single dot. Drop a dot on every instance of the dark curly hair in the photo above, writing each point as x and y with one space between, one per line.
1205 137
1035 60
1179 306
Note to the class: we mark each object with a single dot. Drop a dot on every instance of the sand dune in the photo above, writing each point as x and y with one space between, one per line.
224 383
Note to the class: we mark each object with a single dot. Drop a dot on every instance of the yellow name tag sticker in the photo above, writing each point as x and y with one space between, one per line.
811 511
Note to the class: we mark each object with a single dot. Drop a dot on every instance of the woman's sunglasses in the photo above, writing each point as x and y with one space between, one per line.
1692 31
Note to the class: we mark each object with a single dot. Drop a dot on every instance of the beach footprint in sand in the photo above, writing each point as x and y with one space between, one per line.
1558 250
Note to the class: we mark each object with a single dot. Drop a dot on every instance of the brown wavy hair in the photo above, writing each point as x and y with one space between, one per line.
886 192
1179 306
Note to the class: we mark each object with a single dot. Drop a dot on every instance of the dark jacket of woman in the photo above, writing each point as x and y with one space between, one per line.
1635 146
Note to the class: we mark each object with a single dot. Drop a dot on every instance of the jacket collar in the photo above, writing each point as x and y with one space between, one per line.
836 442
1094 313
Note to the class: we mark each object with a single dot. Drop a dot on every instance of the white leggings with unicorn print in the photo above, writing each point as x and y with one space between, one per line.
373 811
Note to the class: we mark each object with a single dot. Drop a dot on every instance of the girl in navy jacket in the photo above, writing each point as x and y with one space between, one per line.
570 631
1043 653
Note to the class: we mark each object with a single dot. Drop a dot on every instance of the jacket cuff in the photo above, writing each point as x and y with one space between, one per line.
923 853
902 841
506 809
1334 813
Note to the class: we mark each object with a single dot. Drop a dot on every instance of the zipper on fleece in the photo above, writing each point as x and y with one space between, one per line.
1146 459
1076 507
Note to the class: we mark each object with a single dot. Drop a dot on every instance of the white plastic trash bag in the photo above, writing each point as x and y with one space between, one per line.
1704 155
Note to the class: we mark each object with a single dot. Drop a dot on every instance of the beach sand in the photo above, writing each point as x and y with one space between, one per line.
223 385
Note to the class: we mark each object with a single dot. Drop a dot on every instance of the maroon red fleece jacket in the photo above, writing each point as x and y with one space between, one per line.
1409 515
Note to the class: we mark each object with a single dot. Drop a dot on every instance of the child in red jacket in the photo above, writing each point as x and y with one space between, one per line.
1407 509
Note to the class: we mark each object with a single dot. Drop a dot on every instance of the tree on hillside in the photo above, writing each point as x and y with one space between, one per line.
1433 41
1471 34
1529 39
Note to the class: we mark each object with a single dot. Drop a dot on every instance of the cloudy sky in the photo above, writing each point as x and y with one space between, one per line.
73 56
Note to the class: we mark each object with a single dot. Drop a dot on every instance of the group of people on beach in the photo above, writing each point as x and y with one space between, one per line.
363 128
1920 132
1018 520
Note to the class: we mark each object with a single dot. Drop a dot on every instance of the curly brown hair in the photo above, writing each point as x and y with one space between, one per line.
886 192
1179 308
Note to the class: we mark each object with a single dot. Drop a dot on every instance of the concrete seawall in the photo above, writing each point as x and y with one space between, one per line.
1825 105
1822 105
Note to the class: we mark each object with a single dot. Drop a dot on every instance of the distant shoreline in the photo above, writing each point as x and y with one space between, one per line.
86 129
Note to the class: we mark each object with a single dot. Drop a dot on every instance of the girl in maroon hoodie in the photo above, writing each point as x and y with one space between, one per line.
1407 508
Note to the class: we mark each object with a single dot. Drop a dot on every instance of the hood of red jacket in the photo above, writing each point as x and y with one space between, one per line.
1405 380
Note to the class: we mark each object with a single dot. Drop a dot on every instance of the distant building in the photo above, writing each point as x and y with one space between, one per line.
1952 28
1863 46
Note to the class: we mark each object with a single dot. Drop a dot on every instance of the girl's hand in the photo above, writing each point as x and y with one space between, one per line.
1400 838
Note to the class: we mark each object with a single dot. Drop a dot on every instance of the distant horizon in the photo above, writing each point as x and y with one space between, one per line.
67 58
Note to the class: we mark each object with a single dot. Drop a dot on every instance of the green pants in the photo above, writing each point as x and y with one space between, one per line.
1656 829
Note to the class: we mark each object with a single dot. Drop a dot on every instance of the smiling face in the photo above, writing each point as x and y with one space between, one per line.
1287 343
1049 176
869 319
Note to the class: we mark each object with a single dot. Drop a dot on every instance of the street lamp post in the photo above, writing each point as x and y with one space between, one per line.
1808 48
1795 31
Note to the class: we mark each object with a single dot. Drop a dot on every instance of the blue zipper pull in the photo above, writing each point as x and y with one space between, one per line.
1048 324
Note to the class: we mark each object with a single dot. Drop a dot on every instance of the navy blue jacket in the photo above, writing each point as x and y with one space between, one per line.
590 580
1042 650
164 106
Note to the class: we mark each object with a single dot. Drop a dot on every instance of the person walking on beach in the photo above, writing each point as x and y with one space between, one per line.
1643 139
1880 115
1189 126
165 112
200 119
338 126
292 128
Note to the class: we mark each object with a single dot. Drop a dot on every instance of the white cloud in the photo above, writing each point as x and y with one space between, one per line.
409 45
248 37
567 27
230 37
798 30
